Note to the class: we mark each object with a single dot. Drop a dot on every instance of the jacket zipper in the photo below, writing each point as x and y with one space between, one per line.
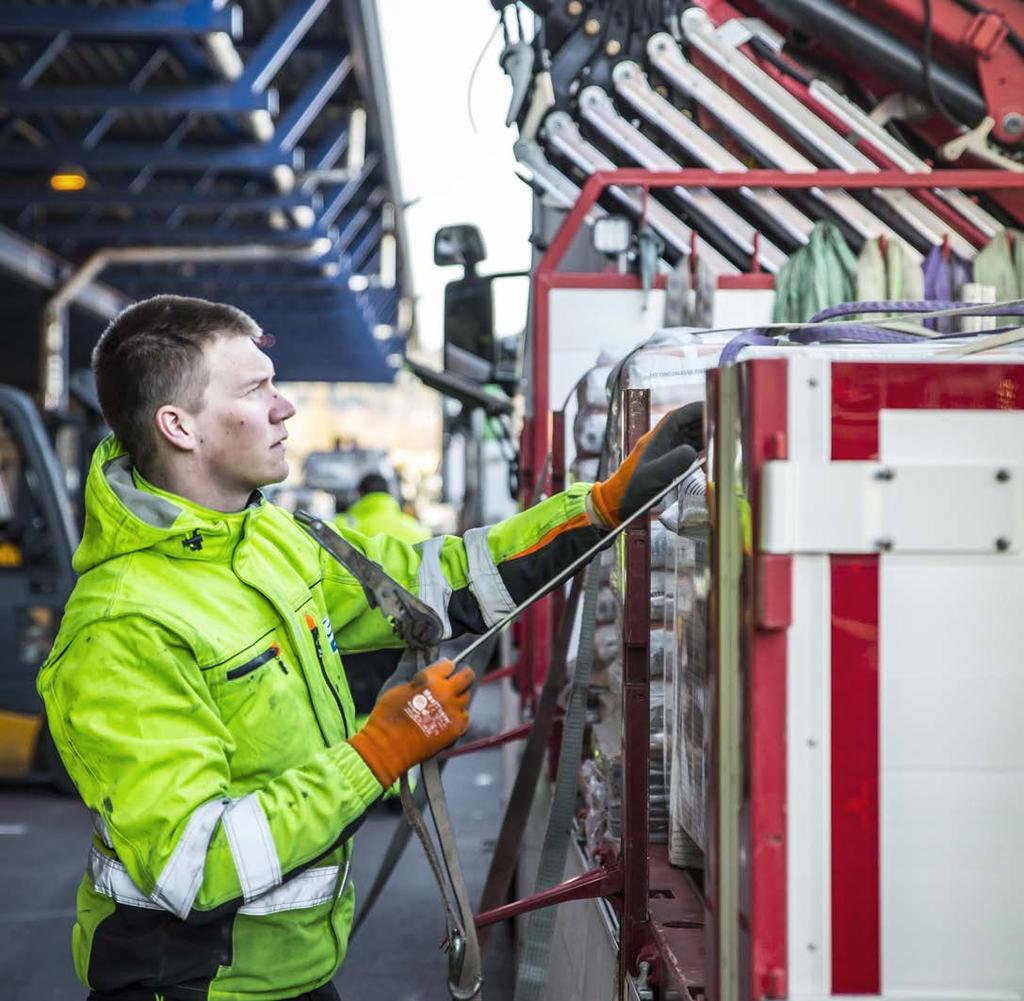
314 630
251 665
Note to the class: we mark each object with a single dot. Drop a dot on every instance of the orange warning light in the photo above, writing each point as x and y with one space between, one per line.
67 180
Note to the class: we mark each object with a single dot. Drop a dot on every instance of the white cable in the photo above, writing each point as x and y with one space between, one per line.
476 67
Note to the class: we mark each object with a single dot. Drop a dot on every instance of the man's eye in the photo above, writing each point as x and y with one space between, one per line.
254 388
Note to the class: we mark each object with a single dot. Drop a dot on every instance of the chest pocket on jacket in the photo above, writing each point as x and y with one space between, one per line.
251 683
273 652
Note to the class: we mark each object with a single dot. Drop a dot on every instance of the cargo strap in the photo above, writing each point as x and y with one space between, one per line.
403 832
421 629
540 925
465 979
517 811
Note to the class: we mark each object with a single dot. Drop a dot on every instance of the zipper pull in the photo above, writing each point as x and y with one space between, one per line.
280 659
315 631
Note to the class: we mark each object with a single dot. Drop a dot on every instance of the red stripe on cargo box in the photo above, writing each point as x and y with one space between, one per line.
856 904
857 396
762 870
859 392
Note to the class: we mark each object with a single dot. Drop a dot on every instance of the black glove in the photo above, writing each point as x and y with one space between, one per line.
667 450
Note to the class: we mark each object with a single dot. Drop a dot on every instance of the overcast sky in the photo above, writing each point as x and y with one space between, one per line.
458 175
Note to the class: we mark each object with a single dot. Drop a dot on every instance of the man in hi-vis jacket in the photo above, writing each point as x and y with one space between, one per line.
196 691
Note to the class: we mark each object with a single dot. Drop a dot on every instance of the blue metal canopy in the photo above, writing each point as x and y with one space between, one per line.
204 123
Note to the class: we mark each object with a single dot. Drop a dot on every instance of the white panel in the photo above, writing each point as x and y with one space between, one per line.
741 308
808 786
583 322
952 784
953 896
953 630
864 507
808 740
808 407
983 436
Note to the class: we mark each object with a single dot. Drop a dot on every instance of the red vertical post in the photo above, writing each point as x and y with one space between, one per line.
538 620
557 485
636 712
557 599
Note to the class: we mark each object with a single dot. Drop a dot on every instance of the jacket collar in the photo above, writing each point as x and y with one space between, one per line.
126 514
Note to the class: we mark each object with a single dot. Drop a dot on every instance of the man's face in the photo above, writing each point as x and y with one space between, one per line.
240 427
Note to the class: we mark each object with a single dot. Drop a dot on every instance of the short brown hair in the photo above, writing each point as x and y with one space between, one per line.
152 355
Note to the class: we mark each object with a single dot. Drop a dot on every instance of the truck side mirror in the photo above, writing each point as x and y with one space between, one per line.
469 325
459 244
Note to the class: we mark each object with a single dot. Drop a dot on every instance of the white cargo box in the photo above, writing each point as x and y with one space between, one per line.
866 778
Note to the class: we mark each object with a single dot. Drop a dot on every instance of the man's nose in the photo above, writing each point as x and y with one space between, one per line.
282 409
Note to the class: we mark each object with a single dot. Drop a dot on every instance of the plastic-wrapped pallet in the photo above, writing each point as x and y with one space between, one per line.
595 805
673 366
688 780
663 596
607 610
588 431
583 469
591 392
607 656
591 417
662 546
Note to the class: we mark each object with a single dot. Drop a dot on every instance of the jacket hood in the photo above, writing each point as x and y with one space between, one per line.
375 503
124 514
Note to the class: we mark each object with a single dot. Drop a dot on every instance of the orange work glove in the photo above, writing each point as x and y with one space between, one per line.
413 721
657 458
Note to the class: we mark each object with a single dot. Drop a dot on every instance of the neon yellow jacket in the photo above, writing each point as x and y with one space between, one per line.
196 695
381 514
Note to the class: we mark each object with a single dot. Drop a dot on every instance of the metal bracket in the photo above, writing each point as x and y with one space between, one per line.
975 141
865 507
899 107
517 62
599 882
739 30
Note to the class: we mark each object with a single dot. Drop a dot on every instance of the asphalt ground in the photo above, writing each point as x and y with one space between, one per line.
44 840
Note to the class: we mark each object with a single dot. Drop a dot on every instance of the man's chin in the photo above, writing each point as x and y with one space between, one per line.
275 475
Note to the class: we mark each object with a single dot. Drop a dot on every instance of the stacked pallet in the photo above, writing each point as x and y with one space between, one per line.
672 367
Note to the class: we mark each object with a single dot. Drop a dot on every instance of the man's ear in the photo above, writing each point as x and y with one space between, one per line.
175 426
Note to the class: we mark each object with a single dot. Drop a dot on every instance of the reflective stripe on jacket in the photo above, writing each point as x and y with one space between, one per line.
196 695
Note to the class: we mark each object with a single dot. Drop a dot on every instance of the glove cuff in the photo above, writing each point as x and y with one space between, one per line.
378 755
599 504
592 513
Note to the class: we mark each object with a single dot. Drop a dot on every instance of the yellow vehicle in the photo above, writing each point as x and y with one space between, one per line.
37 538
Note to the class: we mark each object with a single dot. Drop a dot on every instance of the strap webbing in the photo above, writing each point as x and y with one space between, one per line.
465 981
467 967
517 811
540 925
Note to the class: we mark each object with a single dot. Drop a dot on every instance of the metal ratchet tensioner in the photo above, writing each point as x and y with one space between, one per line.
414 622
